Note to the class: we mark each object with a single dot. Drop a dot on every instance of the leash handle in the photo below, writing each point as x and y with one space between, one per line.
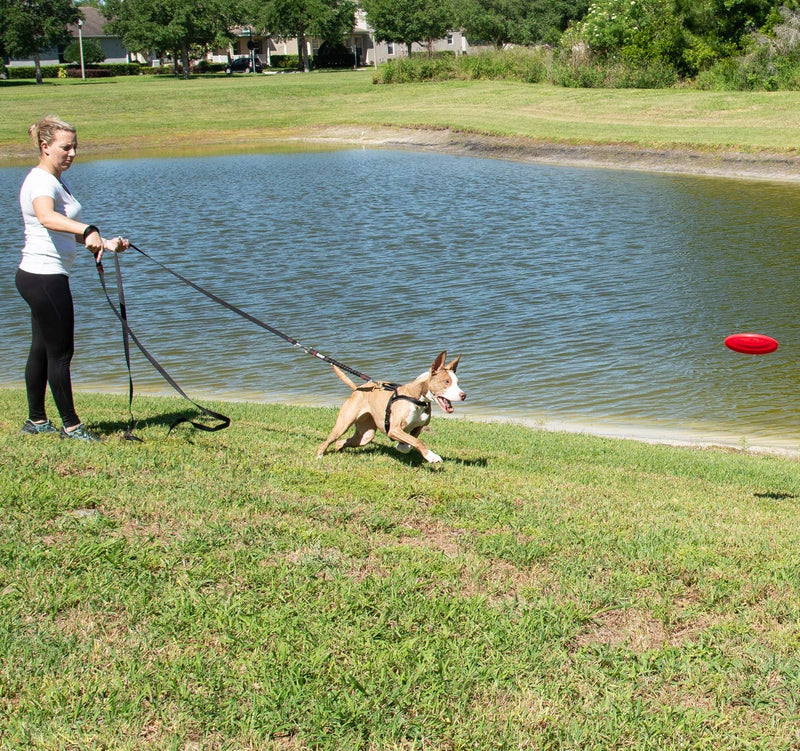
253 319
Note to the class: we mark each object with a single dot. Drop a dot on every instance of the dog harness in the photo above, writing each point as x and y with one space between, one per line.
395 397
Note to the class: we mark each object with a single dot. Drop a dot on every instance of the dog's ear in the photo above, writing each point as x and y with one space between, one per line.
438 363
453 365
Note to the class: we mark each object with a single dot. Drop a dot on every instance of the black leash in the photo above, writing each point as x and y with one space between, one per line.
253 319
127 333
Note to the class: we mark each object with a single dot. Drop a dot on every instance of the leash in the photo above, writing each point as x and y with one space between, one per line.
128 334
253 319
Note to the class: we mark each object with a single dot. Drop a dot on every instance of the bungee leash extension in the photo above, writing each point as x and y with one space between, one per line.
128 333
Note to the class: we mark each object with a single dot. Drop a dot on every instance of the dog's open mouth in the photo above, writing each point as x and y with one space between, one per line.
445 404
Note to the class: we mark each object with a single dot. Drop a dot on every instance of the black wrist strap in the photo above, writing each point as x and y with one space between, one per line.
88 231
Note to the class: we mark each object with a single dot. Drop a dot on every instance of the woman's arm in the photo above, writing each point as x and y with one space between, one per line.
49 218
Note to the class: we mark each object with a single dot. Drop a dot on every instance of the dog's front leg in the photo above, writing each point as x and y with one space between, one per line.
400 435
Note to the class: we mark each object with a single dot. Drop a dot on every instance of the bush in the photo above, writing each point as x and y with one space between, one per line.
526 65
206 66
92 52
73 71
582 69
334 56
284 61
29 71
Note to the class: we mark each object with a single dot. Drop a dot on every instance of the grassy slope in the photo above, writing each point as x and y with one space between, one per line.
539 590
228 590
161 112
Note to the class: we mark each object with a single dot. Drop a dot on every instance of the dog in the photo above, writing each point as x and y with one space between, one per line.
399 411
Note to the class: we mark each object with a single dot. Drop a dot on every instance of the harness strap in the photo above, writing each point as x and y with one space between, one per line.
395 397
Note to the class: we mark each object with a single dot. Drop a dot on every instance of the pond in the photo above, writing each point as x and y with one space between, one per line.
579 298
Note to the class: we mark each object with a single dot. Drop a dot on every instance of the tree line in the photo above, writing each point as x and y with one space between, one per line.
683 38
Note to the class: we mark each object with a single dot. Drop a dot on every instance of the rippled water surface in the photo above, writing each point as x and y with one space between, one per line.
576 296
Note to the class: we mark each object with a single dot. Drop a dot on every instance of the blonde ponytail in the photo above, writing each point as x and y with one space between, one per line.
43 132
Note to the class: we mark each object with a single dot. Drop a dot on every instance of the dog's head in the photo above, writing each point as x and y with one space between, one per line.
443 383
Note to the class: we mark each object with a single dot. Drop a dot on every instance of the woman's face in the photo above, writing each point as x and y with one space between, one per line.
60 152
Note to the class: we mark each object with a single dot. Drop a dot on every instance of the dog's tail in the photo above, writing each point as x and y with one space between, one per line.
343 376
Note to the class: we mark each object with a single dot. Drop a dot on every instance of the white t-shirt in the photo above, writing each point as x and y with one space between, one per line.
45 251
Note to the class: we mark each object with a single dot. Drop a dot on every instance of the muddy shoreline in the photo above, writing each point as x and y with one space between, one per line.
686 161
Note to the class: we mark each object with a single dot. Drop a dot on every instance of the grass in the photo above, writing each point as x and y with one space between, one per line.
539 590
123 116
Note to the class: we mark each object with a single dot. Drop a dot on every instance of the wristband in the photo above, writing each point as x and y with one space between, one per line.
88 231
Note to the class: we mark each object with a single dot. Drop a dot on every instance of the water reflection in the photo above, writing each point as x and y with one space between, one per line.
585 296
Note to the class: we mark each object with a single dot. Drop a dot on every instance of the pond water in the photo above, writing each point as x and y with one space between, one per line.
579 298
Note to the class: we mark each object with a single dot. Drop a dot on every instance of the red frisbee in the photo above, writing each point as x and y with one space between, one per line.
751 344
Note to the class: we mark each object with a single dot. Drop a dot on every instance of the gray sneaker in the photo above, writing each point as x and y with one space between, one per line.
35 428
79 433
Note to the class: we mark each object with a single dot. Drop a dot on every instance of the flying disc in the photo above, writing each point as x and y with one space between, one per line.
751 344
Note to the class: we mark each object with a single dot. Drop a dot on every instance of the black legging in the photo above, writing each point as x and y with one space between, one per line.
52 346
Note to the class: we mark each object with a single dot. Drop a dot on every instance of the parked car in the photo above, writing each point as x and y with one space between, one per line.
243 65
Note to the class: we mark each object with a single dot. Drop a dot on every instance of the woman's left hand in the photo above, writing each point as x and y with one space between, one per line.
116 244
113 245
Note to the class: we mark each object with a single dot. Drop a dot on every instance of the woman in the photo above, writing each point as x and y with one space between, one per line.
53 230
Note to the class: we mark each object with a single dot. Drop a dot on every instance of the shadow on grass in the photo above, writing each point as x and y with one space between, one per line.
412 458
166 420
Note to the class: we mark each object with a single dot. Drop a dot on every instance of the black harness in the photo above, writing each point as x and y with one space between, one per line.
395 397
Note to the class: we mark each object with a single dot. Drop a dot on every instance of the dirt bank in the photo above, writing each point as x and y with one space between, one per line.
732 164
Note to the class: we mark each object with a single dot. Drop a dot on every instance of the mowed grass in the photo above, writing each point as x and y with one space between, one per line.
538 590
131 115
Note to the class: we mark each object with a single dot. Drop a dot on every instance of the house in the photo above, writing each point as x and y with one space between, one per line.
366 50
93 22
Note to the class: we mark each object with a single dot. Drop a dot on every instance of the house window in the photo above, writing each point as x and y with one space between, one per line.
389 48
449 38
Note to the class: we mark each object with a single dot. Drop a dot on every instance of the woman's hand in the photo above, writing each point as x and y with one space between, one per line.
93 242
113 245
116 244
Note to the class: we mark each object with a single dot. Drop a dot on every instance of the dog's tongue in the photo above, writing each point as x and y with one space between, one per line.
444 404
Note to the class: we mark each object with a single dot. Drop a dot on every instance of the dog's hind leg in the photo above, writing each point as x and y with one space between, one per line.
364 433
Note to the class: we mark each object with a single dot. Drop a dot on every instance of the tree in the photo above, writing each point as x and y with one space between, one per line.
92 52
329 20
717 29
522 22
170 26
409 21
638 32
29 27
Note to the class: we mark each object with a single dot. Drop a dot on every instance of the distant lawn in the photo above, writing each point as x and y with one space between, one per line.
539 590
115 116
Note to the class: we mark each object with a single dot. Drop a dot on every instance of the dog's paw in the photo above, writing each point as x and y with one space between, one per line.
403 448
432 458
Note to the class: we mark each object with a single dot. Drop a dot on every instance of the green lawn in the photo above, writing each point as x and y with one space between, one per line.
539 590
115 116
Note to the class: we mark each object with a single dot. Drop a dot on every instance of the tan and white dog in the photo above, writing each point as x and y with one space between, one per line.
400 411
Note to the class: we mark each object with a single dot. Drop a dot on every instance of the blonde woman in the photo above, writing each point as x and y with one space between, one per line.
54 232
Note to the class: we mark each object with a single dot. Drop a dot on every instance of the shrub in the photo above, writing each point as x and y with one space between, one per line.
92 52
21 72
284 61
521 64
